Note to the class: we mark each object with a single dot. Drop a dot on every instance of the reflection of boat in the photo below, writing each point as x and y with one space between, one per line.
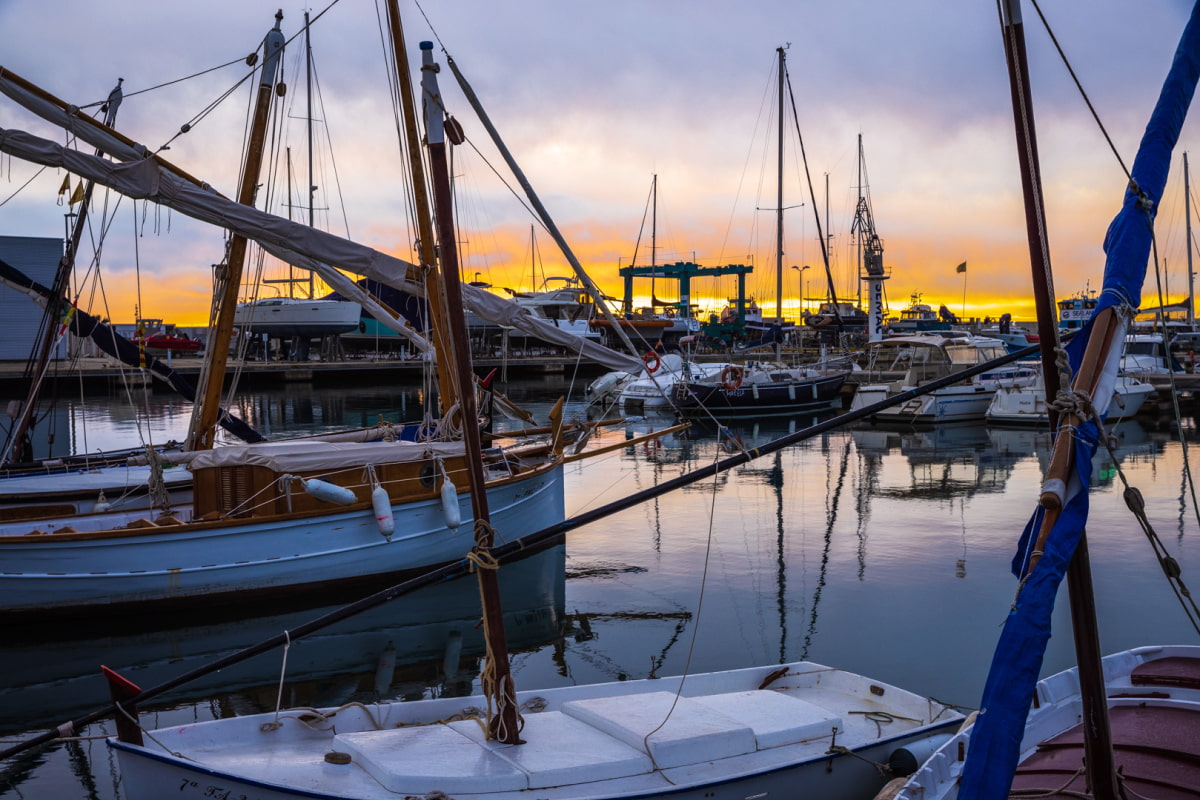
288 316
921 359
58 678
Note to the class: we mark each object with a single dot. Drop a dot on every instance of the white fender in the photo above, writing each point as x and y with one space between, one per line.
102 504
328 492
450 504
383 511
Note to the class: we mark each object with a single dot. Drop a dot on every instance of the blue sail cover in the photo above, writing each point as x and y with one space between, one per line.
996 739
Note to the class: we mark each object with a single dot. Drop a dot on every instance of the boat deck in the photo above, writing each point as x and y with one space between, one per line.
1156 748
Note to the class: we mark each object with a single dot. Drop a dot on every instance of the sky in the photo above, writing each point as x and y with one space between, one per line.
594 100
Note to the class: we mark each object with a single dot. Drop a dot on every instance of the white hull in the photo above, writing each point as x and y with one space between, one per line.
725 738
1026 405
1057 708
285 317
964 403
173 566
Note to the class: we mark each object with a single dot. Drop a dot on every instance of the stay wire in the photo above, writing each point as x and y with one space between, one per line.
1082 92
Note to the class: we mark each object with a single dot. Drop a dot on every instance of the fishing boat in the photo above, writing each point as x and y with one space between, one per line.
919 317
1126 725
726 734
898 364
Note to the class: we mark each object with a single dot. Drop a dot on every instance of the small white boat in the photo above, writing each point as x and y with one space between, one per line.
801 729
656 390
1146 354
285 317
917 360
1025 404
1154 712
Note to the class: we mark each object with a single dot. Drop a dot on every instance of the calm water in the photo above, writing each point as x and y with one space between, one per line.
882 552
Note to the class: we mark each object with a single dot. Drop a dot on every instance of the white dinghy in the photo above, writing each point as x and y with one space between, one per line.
725 734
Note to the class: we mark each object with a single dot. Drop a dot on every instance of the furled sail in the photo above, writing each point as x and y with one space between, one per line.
996 739
146 177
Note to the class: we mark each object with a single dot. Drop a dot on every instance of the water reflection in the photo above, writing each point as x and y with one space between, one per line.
419 645
849 549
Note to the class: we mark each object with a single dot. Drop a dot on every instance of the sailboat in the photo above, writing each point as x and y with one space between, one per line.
278 517
736 732
1126 725
765 386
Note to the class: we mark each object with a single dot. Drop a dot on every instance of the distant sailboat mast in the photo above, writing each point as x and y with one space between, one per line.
779 201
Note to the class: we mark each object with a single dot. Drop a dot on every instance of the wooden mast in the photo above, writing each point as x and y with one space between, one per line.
497 679
1098 745
212 376
435 300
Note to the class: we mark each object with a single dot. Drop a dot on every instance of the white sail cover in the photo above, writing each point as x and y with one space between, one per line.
295 457
300 245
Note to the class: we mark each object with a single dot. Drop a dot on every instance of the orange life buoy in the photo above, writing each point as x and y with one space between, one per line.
731 378
652 361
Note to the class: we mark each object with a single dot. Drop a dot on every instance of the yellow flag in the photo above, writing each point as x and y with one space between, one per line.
77 195
66 184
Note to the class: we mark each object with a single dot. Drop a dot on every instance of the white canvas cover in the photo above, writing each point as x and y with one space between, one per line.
293 457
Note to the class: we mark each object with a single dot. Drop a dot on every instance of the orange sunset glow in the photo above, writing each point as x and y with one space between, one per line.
591 129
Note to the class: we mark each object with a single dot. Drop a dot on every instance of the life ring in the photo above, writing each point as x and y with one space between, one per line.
652 361
731 378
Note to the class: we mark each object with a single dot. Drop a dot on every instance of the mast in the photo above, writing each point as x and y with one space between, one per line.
1098 745
308 91
443 346
779 201
1187 210
497 680
229 278
55 312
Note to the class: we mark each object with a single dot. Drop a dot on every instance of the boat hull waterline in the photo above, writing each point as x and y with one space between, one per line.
145 566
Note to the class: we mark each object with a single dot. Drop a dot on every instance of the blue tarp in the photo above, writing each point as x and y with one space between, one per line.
1017 662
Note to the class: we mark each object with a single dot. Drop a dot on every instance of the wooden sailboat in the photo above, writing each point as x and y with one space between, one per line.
278 517
728 734
1127 725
